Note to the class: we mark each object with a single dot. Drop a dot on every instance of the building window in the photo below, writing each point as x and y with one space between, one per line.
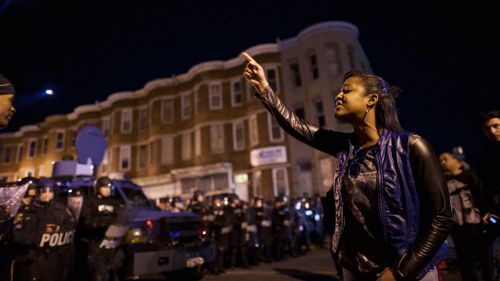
320 115
253 127
236 98
126 126
313 65
332 59
7 154
350 55
125 154
272 78
275 132
238 135
73 138
167 150
143 156
186 106
186 146
20 151
106 126
167 111
300 112
251 92
280 182
215 96
197 142
197 102
295 74
217 138
143 119
45 145
41 171
32 149
152 153
59 141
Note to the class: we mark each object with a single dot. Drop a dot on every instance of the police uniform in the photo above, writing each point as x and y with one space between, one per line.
237 238
43 238
263 219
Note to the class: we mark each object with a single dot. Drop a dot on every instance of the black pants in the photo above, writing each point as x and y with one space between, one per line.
470 252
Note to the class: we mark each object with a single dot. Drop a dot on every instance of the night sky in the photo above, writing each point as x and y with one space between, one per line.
444 56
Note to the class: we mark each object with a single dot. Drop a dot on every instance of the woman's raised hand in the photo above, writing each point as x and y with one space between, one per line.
255 74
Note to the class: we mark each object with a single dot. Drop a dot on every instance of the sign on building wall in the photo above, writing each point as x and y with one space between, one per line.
268 155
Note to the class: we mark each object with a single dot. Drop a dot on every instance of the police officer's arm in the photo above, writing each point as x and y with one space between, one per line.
25 229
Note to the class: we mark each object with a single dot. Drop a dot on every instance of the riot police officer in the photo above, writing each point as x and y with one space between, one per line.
222 228
282 231
99 212
237 238
263 219
43 238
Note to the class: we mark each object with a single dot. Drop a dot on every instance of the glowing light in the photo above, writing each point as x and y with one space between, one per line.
49 92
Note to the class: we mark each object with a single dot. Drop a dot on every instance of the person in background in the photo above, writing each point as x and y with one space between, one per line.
391 203
488 168
466 197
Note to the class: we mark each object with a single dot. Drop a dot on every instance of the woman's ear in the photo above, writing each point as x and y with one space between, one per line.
372 100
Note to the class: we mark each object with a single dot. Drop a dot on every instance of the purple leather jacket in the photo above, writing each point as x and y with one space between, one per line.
414 203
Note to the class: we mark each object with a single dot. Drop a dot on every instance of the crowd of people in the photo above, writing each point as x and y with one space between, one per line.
247 233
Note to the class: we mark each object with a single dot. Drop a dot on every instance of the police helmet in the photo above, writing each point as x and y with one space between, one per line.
102 181
198 193
46 184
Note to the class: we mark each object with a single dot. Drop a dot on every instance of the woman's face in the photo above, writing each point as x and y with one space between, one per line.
351 102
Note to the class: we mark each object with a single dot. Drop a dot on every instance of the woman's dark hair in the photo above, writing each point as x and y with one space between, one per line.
486 116
385 110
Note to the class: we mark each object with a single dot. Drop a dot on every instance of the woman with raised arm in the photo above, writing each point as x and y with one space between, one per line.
389 201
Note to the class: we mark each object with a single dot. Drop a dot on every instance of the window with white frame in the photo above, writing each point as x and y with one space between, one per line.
7 154
251 92
215 96
197 102
186 146
295 74
143 156
125 155
332 59
186 106
320 115
280 182
313 66
73 138
167 111
236 97
275 132
217 138
197 142
60 140
20 150
32 149
167 150
143 119
105 126
238 135
152 152
272 78
126 126
253 128
45 145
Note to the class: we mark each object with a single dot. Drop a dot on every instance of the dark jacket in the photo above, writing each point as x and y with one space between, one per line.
414 207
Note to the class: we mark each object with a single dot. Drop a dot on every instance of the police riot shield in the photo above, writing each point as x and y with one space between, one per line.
11 197
102 254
